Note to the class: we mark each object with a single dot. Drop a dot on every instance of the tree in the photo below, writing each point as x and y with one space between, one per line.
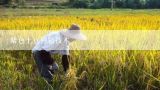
7 1
80 3
120 3
112 4
153 3
71 1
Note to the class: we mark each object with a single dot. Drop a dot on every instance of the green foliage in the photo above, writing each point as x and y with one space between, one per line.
153 3
116 3
80 3
100 4
6 1
135 4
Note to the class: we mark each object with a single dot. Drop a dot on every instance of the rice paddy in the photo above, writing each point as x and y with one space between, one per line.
91 69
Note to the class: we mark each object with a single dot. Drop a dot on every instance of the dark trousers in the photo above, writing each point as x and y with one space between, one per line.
43 59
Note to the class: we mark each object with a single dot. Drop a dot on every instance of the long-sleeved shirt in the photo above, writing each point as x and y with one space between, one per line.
54 42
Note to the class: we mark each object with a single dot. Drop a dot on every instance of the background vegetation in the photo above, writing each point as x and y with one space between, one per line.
134 4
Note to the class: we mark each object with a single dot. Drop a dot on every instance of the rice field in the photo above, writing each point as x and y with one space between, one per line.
91 69
98 22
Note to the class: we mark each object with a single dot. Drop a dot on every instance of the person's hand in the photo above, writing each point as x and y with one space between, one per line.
53 68
66 73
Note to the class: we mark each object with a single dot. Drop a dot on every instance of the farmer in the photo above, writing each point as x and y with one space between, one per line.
55 43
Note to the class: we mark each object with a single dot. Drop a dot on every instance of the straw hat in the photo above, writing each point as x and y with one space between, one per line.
74 33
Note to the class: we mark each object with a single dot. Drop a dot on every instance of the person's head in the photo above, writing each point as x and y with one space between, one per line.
73 33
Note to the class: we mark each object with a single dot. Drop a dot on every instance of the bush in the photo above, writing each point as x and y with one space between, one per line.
101 4
96 4
119 4
80 4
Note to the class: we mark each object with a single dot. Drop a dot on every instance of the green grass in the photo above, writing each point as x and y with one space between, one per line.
44 12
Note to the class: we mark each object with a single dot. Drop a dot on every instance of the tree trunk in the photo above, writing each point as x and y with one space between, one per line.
112 4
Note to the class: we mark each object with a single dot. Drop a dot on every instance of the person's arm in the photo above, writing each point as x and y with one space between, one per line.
65 62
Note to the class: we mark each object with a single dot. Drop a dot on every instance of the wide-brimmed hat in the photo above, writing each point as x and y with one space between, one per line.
74 33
